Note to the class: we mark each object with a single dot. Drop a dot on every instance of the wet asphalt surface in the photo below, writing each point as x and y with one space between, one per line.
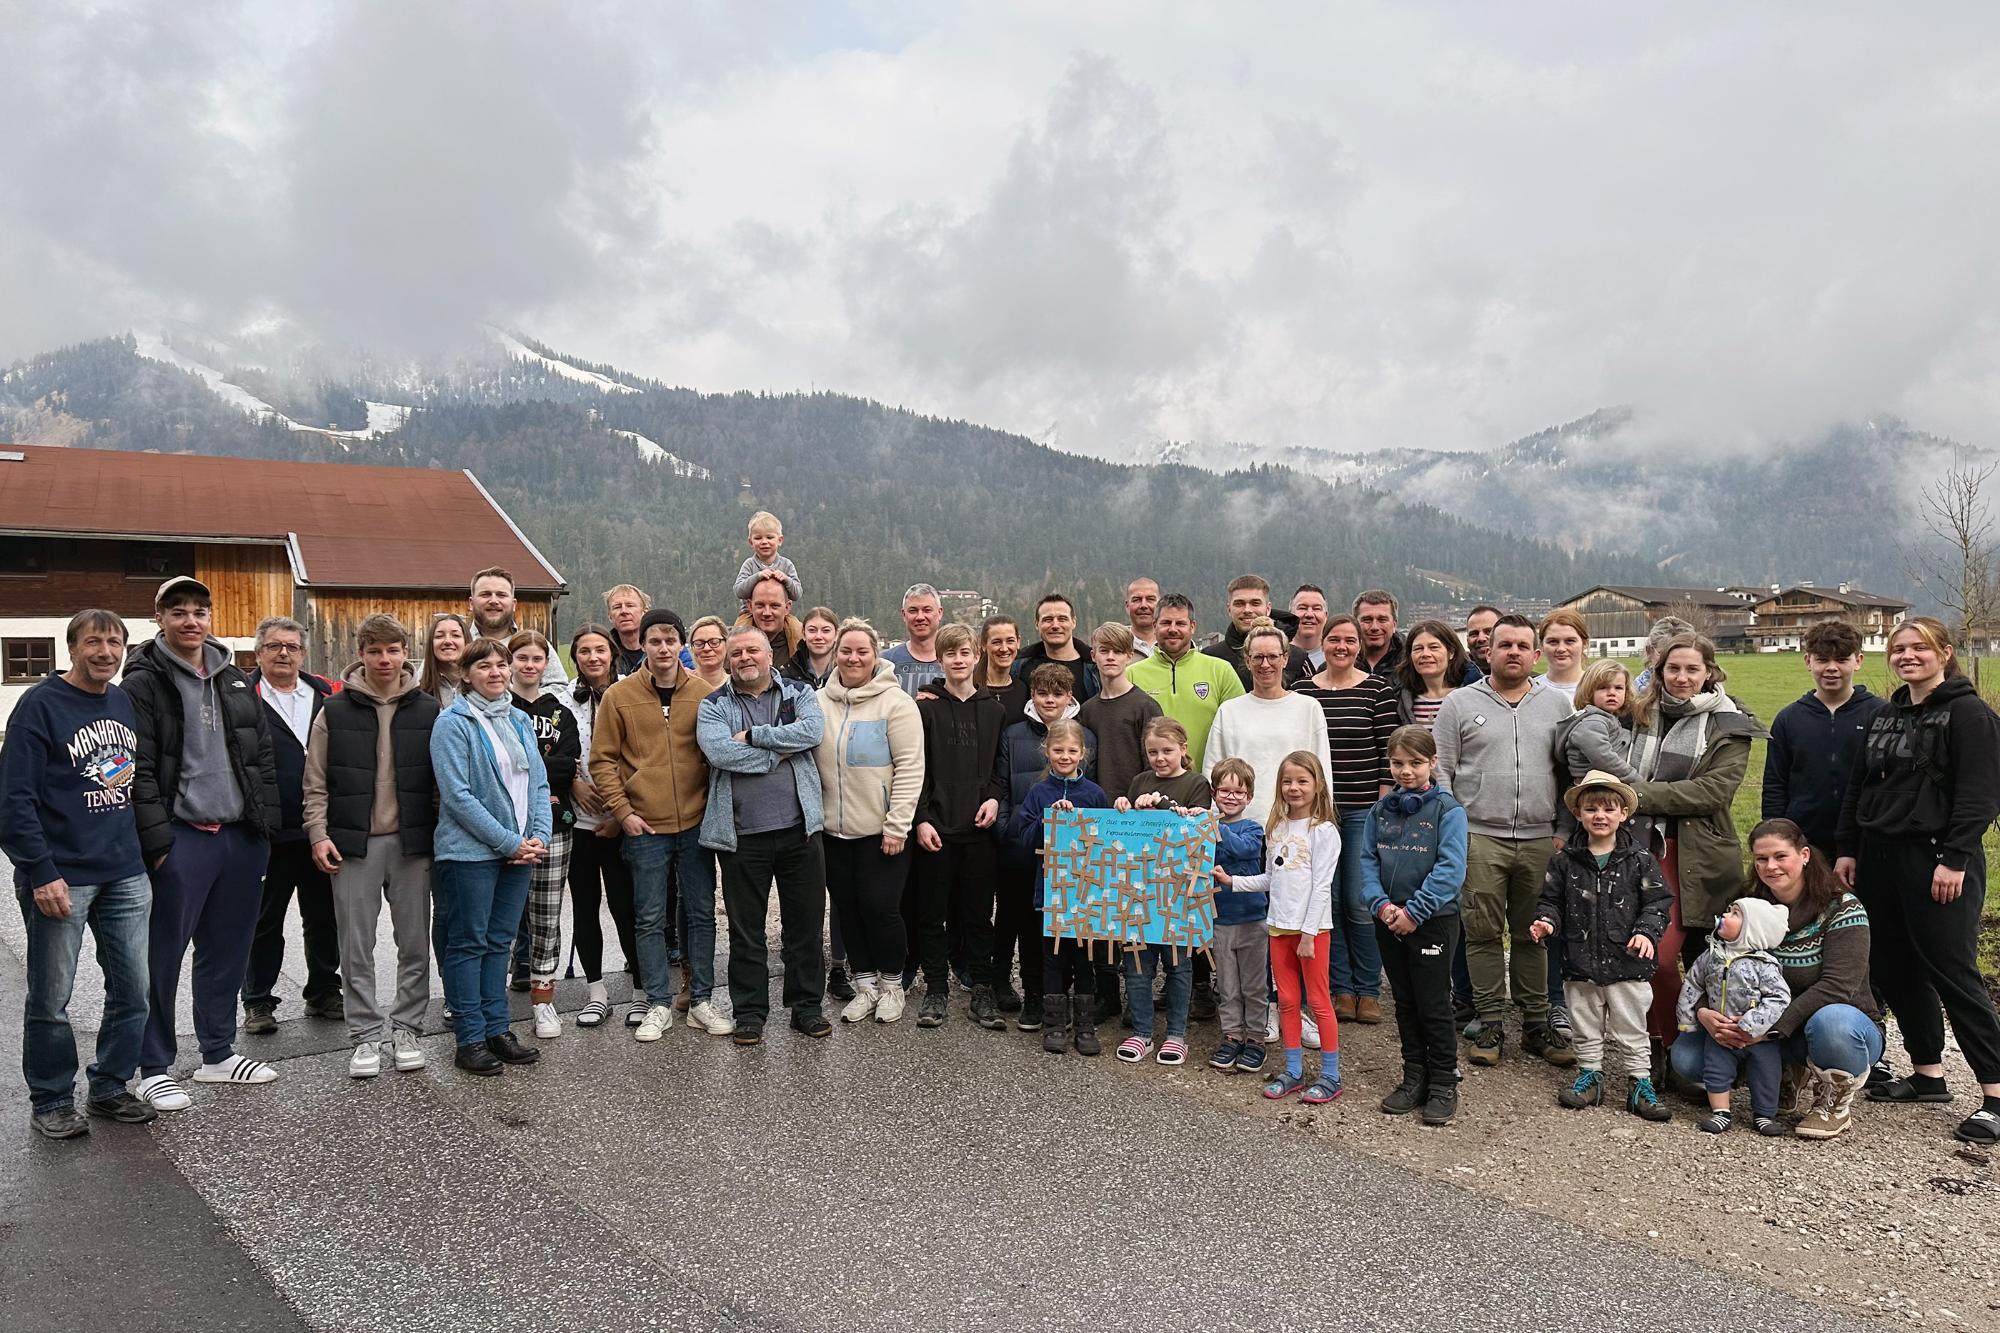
888 1177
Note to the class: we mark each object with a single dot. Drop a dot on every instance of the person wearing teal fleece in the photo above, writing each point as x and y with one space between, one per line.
493 826
1412 867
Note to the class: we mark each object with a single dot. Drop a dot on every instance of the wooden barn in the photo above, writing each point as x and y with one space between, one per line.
325 543
1620 616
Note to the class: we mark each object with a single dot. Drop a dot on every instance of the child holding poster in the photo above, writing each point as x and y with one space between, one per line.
1242 949
1065 963
1301 852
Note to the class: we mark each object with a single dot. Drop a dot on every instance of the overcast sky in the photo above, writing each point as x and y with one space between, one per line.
1345 226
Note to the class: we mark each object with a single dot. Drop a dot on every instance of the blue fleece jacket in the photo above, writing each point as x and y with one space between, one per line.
1024 830
66 786
1415 860
1239 849
475 814
789 741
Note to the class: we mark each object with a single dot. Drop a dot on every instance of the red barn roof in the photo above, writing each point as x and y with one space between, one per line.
352 526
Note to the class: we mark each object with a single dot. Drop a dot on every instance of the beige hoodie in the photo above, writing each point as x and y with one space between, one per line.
871 760
382 819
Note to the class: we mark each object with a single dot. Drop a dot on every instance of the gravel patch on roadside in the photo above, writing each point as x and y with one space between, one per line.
1894 1218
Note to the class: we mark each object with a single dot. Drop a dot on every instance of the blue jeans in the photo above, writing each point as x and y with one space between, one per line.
1141 965
118 914
484 900
1355 967
651 858
1838 1036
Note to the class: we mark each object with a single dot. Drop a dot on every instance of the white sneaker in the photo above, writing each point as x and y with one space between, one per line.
1311 1032
162 1092
366 1062
862 1005
711 1020
1271 1025
409 1055
659 1022
889 1006
548 1023
236 1069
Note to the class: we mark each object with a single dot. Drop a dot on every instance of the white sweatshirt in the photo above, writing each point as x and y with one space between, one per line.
1299 861
1261 732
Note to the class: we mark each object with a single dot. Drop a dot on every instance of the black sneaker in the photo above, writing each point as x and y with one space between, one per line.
1031 1013
812 1023
1549 1044
1442 1105
931 1013
123 1107
260 1017
837 984
748 1034
1414 1091
1485 1042
327 1006
1225 1055
61 1123
1007 998
985 1011
509 1049
476 1059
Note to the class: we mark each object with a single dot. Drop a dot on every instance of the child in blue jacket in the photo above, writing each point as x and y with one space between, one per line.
1413 849
1065 963
1242 947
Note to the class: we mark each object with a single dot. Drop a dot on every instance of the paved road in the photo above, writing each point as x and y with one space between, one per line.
892 1178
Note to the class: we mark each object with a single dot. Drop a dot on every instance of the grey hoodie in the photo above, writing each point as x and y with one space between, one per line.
208 792
1499 759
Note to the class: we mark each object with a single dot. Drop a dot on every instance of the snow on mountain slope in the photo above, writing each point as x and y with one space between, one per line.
653 453
520 351
383 418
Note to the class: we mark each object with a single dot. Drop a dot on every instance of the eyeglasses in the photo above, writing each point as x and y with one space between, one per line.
704 643
281 649
1267 658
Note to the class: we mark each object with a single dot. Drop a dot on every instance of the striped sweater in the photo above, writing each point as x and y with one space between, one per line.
1359 720
1825 961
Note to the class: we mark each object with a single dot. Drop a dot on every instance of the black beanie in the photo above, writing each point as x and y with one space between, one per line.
659 615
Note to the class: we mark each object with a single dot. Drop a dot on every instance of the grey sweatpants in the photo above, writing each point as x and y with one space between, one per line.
359 886
1611 1020
1242 979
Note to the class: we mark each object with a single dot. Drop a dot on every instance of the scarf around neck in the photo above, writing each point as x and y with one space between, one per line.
500 712
1671 739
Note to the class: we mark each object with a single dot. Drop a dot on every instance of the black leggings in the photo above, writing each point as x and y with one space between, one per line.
596 870
1924 955
866 889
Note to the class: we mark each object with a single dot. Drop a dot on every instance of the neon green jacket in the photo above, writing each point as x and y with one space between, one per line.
1188 691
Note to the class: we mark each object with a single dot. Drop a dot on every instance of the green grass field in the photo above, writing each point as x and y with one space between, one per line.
1765 683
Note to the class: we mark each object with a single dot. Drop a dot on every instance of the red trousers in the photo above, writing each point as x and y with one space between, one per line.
1289 971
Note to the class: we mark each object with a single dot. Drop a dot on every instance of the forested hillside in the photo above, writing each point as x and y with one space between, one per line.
873 498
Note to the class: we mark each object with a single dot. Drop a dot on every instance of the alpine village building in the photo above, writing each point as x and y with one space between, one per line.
325 543
1769 619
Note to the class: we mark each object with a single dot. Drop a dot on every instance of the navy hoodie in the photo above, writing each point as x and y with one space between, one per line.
1239 849
1024 830
66 786
1810 758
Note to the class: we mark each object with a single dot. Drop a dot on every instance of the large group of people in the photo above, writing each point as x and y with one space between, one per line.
1411 820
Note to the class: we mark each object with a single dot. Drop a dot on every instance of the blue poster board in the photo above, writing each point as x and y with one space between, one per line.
1131 878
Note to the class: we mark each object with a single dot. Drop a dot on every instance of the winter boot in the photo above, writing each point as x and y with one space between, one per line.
1410 1094
1832 1109
1055 1023
1083 1016
985 1011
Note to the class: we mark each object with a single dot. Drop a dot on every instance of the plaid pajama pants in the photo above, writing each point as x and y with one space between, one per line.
545 896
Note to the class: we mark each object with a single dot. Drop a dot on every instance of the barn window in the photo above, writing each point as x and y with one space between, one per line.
26 660
24 557
157 560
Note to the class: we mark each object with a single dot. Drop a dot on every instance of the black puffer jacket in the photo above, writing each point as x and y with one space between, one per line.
1229 648
156 704
1928 771
1595 912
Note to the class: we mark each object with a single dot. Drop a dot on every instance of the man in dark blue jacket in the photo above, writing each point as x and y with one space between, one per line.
292 698
66 824
1814 739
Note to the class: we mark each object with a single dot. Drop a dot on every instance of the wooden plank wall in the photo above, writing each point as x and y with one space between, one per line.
248 583
333 618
